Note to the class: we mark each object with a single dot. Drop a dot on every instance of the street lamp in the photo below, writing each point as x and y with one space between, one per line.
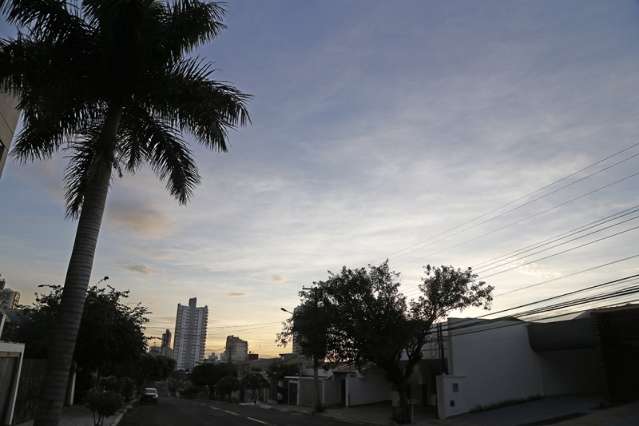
286 310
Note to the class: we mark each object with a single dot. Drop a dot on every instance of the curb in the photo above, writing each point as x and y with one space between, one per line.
120 415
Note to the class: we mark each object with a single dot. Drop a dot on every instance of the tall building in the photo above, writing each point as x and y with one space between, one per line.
190 334
8 121
165 348
9 299
236 349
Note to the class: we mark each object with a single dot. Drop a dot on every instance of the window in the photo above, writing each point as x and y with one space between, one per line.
452 402
455 387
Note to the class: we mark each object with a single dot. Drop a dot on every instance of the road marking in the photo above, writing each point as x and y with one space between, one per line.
232 413
257 420
214 408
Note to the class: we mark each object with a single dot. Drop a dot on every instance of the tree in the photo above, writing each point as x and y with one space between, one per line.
254 381
152 367
226 386
310 325
111 333
375 323
103 404
112 80
209 374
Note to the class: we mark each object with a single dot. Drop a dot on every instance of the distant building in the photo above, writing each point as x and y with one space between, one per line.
253 357
9 299
165 348
8 121
190 334
236 349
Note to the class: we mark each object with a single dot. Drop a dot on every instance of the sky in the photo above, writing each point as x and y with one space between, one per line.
378 130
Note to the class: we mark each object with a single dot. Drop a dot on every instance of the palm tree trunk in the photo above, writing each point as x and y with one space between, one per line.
62 346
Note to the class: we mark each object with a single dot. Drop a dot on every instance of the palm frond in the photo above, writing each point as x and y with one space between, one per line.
77 175
189 23
169 156
186 97
50 19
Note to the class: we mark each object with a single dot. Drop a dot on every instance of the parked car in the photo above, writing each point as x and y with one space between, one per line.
150 395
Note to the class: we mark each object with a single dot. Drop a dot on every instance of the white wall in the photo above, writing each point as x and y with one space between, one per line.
332 392
451 400
497 363
13 349
368 388
493 363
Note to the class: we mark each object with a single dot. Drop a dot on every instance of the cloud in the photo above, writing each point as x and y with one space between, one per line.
142 269
235 294
277 278
143 220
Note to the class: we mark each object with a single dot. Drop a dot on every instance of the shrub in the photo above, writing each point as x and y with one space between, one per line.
103 404
127 388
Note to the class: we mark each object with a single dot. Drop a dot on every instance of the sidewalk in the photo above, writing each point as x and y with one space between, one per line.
79 415
373 414
624 415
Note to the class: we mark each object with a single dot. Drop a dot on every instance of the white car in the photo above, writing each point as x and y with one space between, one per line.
150 395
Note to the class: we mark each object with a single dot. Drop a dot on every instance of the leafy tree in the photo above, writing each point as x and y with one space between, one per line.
226 386
310 325
277 370
112 81
209 374
375 323
152 367
111 332
103 404
253 382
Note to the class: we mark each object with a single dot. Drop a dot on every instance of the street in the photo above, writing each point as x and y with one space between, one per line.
180 412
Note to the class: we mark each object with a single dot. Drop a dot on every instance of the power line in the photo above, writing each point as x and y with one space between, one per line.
543 212
563 305
563 251
464 226
621 303
544 282
570 293
590 225
572 274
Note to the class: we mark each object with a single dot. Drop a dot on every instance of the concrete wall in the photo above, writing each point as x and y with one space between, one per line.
492 362
332 392
12 350
8 121
451 399
305 393
571 372
497 361
367 388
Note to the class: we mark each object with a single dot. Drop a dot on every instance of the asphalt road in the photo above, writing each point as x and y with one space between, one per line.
181 412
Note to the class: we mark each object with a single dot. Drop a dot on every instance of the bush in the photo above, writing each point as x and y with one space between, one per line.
226 386
127 388
103 404
191 392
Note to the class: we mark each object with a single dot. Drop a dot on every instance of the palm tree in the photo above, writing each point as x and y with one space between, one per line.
111 81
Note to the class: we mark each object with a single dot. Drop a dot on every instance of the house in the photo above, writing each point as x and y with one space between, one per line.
342 386
490 362
11 358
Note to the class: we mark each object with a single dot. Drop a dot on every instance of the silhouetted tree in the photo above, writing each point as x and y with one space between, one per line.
254 381
310 326
226 386
375 323
111 80
209 374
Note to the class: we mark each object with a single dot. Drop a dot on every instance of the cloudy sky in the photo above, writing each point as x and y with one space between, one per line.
379 128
